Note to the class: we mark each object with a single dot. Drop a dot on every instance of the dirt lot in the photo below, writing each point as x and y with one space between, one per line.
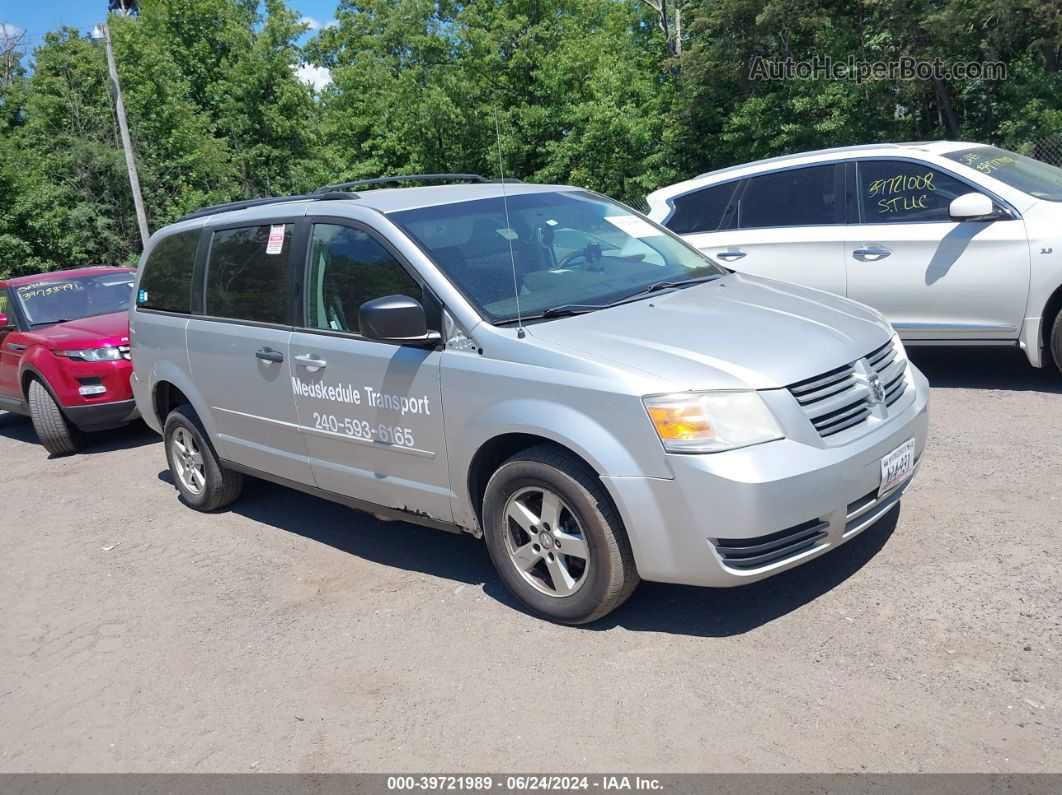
291 634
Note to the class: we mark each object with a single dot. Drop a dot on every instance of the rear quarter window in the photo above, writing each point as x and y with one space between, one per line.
166 284
701 210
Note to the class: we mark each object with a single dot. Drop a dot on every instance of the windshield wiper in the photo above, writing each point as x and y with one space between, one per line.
581 309
572 309
655 288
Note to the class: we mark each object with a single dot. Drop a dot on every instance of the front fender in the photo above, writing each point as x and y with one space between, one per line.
40 362
616 449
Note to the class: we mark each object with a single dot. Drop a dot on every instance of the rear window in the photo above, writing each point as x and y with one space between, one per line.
247 274
702 210
167 281
795 197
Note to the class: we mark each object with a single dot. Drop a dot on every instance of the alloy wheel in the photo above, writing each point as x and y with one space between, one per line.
545 542
188 461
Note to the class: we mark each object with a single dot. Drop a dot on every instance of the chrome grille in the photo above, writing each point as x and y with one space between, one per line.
124 350
841 398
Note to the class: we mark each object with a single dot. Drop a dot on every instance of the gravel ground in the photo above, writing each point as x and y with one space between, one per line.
291 634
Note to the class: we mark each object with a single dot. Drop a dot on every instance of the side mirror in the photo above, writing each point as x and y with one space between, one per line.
395 318
6 323
972 207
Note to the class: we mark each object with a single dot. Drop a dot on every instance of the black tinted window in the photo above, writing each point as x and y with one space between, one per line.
702 210
898 191
347 268
167 280
797 197
246 278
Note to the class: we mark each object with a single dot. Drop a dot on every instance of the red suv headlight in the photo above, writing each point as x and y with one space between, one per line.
106 354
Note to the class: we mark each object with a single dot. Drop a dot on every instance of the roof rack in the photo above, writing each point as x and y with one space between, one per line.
412 178
245 203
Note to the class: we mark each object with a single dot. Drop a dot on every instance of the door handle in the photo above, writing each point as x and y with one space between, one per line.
311 363
269 355
871 253
728 256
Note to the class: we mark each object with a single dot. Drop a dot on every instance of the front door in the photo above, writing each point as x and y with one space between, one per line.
371 412
933 277
239 352
9 356
786 225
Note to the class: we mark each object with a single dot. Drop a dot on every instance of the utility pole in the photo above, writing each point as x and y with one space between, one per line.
103 32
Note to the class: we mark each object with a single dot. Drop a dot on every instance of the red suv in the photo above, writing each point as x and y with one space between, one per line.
64 352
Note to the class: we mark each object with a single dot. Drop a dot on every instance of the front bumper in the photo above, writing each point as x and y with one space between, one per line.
783 502
102 416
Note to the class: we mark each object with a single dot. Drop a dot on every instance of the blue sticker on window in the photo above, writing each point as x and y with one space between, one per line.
141 297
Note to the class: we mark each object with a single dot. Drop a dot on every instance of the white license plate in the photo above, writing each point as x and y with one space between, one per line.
896 466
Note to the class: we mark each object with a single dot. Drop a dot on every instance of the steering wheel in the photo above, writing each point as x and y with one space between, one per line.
591 253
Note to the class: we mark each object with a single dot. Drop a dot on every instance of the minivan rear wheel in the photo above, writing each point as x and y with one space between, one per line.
203 483
556 538
57 434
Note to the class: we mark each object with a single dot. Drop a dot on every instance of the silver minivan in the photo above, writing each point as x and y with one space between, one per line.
534 364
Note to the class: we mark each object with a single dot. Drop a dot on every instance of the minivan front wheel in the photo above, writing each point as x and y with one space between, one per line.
203 483
57 434
555 536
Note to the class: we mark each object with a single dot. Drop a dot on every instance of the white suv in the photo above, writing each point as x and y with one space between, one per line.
956 243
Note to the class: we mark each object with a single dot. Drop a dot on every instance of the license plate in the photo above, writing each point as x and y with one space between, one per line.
896 466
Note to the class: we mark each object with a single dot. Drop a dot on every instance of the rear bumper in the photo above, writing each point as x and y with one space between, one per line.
102 416
784 503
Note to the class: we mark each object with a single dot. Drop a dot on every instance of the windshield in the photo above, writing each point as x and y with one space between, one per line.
1031 176
571 249
58 300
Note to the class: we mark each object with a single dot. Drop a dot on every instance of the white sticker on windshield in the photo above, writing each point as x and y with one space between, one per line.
633 225
508 234
276 239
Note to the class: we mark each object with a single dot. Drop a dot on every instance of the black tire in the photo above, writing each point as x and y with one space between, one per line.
606 578
219 486
1055 342
56 433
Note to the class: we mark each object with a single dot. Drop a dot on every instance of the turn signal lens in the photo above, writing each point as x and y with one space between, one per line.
710 422
680 422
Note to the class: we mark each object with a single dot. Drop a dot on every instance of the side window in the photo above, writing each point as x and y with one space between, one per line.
5 307
347 268
898 191
796 197
247 274
167 280
701 210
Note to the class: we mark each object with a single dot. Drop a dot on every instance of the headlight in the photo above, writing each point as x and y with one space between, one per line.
93 354
709 422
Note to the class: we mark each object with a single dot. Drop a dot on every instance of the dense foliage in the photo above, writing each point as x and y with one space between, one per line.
619 95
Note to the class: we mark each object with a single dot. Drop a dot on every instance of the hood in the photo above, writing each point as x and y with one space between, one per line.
88 332
737 332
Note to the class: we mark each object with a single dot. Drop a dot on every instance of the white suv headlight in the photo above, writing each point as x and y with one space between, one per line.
710 422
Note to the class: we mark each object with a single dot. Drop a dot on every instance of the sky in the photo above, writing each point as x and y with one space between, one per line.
39 17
